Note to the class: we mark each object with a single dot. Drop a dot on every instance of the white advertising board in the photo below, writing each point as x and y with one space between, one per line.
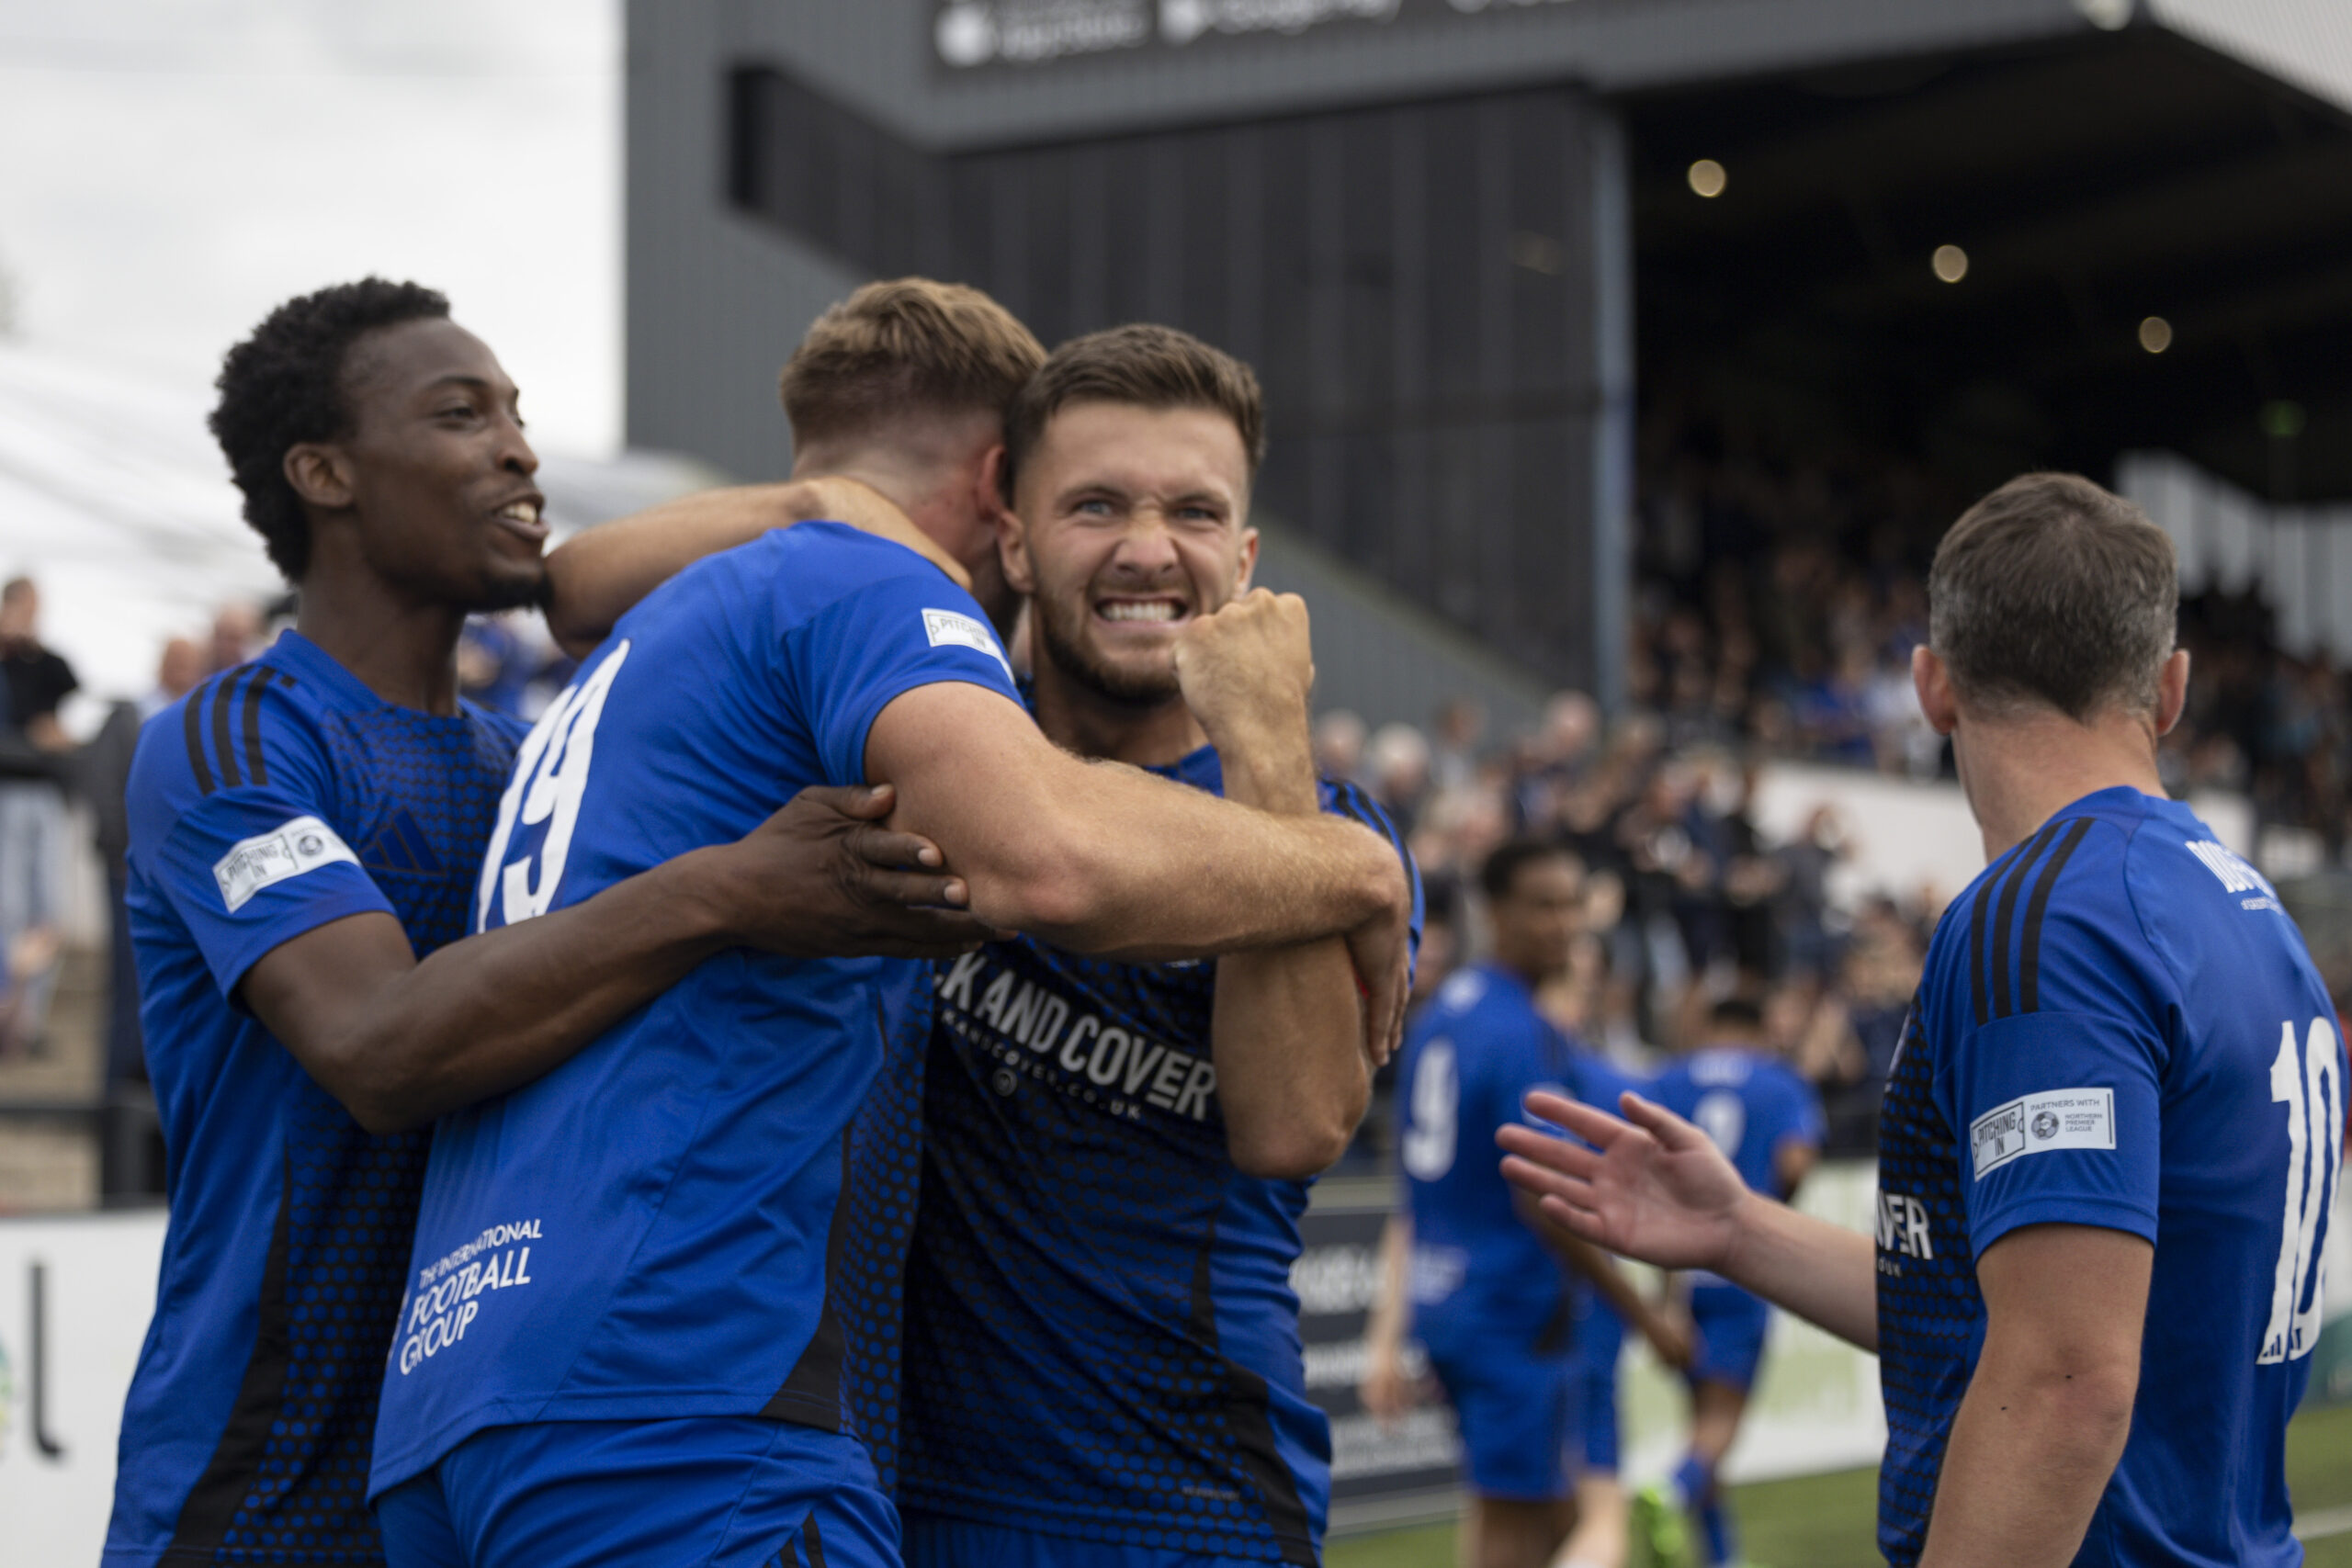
75 1295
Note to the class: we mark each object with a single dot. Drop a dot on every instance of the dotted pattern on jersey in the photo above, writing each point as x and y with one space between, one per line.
1062 1370
1928 1304
878 1212
349 1209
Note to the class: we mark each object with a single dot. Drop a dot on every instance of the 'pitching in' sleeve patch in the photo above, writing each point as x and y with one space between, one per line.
267 858
2042 1123
951 628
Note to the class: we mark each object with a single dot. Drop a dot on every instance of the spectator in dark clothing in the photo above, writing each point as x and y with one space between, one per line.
32 801
102 769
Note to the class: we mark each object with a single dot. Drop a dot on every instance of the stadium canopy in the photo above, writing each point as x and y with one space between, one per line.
2156 226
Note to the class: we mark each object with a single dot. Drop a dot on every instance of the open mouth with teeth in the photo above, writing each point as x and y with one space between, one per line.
522 516
1141 612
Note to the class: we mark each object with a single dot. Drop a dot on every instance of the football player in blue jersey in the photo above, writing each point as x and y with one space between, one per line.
667 1373
1492 1299
1102 1354
2108 1152
1768 1122
305 833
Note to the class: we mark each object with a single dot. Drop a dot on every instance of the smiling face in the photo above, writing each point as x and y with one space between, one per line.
1128 522
435 477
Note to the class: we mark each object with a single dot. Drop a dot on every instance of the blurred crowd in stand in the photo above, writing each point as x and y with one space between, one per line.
1687 899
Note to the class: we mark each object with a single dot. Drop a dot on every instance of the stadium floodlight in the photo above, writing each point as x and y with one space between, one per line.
1707 177
1950 263
2156 335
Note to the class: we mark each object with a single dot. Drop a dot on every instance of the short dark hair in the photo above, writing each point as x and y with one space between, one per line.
1498 875
1143 366
15 587
2051 590
283 386
1737 1012
906 345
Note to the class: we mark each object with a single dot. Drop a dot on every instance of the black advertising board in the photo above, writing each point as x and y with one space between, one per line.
1379 1474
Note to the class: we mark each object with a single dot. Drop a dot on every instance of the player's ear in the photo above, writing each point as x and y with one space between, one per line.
1011 534
1933 680
320 475
1249 542
2172 690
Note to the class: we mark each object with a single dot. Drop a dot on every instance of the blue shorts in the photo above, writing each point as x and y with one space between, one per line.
1731 1325
1520 1414
713 1492
934 1541
1601 1340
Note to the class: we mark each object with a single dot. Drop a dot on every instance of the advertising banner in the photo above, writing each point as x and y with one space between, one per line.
969 35
75 1295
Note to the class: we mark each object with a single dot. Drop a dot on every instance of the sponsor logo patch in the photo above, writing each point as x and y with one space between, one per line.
267 858
2040 1123
950 628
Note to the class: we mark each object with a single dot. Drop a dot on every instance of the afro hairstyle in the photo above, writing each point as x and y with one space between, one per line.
283 386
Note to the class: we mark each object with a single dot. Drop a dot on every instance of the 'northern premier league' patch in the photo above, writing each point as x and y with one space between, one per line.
951 627
2039 1123
305 843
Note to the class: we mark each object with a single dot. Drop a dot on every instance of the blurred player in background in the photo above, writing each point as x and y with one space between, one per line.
667 1375
1768 1122
1103 1361
305 833
1490 1297
2109 1147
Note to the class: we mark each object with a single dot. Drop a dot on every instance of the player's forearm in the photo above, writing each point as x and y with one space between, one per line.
495 1011
1822 1272
1292 1077
598 576
1139 869
1288 1031
1392 1308
2030 1455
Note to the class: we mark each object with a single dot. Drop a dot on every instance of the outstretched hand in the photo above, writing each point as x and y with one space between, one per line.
824 878
1650 1186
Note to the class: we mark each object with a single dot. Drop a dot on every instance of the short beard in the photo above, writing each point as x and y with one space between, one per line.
521 593
1067 654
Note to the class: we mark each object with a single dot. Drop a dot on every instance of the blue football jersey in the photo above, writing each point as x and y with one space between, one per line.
271 800
1479 1274
1748 1102
649 1230
1100 1338
2120 1027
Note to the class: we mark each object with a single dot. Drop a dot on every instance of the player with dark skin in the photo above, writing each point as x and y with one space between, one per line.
423 513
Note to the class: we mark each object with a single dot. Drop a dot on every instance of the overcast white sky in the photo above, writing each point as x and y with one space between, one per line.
170 169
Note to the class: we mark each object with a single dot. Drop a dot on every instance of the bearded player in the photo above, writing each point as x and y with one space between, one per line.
1101 1353
2109 1147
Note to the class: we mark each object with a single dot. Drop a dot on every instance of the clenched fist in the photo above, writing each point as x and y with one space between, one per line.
1247 670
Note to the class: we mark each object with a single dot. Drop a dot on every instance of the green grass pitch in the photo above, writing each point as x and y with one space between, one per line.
1827 1521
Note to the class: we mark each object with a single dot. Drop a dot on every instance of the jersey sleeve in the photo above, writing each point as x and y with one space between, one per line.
2055 1107
1342 798
905 628
231 799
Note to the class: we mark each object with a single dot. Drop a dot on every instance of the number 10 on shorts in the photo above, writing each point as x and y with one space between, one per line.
2309 1082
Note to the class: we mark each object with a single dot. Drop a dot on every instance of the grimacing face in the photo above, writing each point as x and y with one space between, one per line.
439 474
1127 522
